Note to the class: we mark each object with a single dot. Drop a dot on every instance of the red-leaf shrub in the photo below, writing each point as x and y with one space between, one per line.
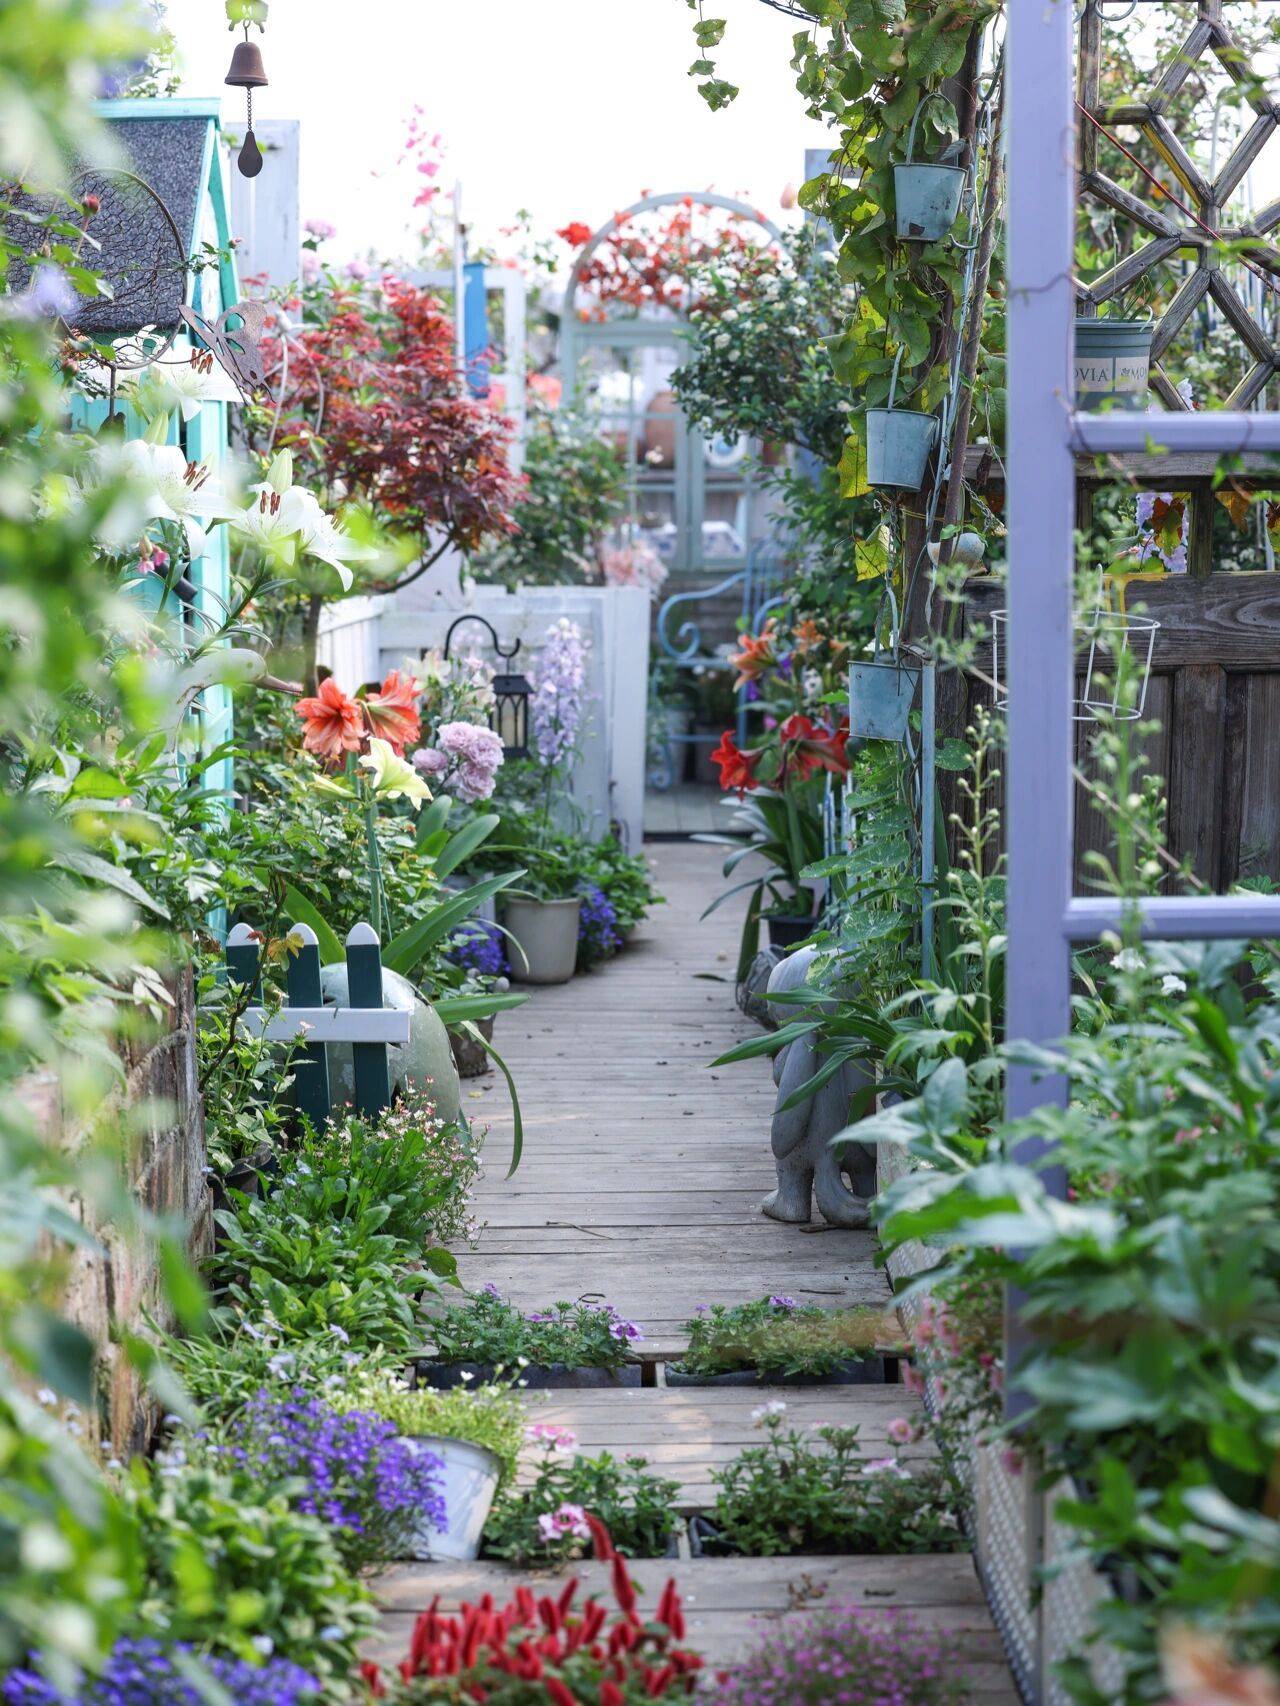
542 1649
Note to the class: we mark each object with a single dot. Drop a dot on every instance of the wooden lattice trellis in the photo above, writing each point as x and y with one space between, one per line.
1201 225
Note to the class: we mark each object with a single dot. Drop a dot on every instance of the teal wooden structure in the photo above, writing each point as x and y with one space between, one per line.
174 147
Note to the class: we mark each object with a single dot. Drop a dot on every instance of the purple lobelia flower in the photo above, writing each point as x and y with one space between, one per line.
143 1673
353 1471
479 949
597 929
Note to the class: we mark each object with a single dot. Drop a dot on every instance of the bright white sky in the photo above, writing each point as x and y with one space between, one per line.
569 108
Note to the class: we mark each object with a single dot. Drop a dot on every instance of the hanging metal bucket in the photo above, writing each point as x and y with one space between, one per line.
926 197
881 690
898 442
1112 364
898 446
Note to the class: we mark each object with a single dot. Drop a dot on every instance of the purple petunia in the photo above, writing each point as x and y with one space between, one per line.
143 1673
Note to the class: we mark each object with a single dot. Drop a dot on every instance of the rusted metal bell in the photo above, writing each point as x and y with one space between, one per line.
247 70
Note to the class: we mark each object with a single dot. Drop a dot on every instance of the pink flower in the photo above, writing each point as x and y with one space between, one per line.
320 229
430 761
478 753
552 1437
567 1519
901 1431
358 270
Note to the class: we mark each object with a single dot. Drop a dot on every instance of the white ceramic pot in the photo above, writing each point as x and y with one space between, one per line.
545 945
471 1474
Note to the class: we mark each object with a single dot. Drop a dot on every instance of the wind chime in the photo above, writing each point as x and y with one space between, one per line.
248 73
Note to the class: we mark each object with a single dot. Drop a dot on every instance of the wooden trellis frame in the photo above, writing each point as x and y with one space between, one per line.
1208 199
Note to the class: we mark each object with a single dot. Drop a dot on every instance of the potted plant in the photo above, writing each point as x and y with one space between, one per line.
1112 363
475 1433
564 1344
776 1341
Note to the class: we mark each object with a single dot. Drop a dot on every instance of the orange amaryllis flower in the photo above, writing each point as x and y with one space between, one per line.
392 712
807 636
737 768
332 723
756 655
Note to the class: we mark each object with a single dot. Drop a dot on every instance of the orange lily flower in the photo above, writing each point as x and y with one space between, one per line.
756 655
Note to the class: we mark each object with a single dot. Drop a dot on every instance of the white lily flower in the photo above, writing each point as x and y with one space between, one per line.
173 489
183 378
287 522
393 777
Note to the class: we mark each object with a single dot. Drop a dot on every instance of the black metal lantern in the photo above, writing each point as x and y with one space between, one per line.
509 718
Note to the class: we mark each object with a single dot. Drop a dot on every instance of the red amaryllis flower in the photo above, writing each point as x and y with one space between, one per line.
737 768
392 712
811 747
332 723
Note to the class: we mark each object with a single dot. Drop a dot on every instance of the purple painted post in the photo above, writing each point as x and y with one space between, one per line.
1041 509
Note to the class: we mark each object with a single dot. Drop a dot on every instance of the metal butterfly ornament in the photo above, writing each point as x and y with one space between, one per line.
238 348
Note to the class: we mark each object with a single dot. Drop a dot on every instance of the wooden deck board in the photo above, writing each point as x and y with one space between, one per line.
641 1184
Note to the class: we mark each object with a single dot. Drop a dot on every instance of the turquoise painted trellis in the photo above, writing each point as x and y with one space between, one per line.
368 1026
173 146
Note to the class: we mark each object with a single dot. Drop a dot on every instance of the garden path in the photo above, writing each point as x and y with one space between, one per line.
644 1168
641 1183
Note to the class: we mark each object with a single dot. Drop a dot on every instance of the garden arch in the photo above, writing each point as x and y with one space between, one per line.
700 499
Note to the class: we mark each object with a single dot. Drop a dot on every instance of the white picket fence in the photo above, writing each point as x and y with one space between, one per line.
362 638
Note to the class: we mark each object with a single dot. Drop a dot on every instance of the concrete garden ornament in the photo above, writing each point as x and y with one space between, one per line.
808 1167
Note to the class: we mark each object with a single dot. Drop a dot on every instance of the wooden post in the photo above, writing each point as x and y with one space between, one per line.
244 959
310 1066
364 989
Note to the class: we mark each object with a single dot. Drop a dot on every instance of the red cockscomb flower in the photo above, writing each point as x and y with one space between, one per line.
737 768
332 723
392 712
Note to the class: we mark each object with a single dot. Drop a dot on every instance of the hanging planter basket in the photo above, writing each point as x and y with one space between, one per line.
1103 638
1112 364
881 691
926 196
899 442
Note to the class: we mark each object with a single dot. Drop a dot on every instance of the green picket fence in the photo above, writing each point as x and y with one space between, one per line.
366 1024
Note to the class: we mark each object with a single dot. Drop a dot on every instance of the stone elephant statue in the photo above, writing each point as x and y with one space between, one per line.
809 1169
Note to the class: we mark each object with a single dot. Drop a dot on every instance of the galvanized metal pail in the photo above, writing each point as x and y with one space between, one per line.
882 688
1112 364
926 197
898 446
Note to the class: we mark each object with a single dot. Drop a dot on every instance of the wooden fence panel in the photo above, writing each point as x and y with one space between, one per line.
1215 691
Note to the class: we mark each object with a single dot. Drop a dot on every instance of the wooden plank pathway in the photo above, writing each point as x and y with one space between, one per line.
641 1185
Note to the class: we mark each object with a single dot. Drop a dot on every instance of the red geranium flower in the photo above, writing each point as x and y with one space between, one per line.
333 724
737 768
392 713
575 234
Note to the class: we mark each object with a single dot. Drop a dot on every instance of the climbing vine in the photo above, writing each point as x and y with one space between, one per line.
868 68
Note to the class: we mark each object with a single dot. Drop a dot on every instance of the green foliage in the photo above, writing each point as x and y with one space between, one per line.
776 1336
490 1331
798 1493
228 1571
236 1355
489 1415
342 1276
623 876
778 835
638 1509
574 487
